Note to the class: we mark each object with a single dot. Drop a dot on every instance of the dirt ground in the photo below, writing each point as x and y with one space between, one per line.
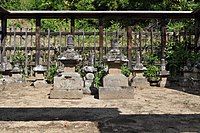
27 109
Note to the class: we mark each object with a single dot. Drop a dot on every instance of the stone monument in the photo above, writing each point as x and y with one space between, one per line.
138 71
89 77
164 74
115 84
68 84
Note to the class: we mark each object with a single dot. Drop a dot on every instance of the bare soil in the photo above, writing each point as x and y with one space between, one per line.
24 108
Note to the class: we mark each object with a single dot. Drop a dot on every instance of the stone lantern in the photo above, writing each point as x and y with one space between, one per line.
115 84
39 71
16 73
68 84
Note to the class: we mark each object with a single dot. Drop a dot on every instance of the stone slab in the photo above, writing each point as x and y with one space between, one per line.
40 84
117 80
106 93
72 81
140 81
66 94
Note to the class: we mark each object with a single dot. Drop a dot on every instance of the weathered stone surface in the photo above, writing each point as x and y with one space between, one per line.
111 80
17 76
125 92
39 76
164 82
87 86
140 81
40 84
89 76
66 94
114 71
68 81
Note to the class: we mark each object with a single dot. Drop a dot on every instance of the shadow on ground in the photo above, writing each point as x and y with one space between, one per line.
108 119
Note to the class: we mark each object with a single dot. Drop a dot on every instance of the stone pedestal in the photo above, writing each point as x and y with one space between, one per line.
67 86
115 84
164 75
139 80
88 80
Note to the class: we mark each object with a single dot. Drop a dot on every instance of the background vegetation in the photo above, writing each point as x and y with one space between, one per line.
98 5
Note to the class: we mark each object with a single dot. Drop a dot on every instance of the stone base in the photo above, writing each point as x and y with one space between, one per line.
40 84
164 82
115 80
126 92
140 81
66 94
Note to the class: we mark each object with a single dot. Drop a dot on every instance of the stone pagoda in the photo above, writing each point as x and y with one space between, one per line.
115 84
138 71
68 84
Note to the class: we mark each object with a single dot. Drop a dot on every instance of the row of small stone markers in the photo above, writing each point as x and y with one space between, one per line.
68 84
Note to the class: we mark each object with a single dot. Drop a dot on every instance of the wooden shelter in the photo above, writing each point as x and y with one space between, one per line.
101 16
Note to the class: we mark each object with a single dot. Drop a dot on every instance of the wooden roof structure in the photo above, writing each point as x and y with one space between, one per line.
98 14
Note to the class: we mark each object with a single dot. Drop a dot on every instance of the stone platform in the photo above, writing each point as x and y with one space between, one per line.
123 92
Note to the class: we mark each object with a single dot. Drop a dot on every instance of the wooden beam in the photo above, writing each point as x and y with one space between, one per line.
37 40
129 45
197 31
163 37
101 27
3 34
72 26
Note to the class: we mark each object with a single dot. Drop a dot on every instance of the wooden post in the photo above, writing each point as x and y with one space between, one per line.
101 39
26 52
197 31
163 38
129 45
72 26
49 58
37 40
3 34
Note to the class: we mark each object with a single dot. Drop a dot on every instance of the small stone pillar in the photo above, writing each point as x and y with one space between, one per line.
139 80
39 71
16 73
164 74
68 84
89 77
115 84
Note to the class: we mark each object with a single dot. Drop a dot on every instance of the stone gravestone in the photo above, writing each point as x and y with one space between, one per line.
139 80
89 77
164 74
115 84
68 84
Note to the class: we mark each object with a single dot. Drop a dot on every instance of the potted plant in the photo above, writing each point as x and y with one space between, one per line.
152 75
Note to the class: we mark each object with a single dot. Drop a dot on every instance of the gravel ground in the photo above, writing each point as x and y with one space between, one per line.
27 109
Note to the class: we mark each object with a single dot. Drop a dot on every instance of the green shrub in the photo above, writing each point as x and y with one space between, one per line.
51 73
125 70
